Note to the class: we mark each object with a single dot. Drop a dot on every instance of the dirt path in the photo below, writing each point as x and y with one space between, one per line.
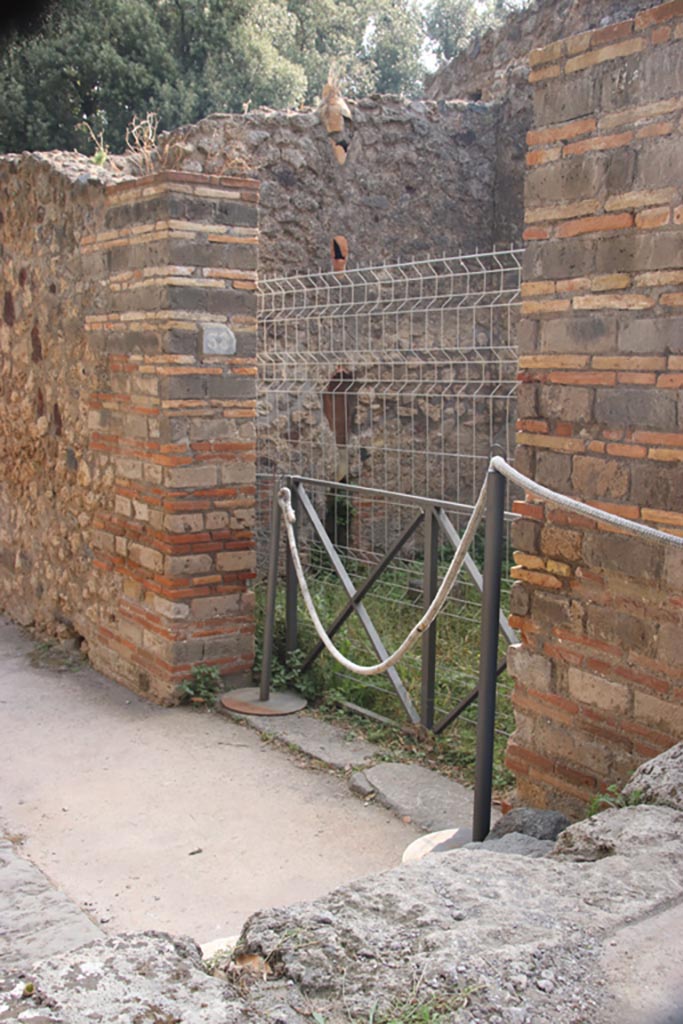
166 818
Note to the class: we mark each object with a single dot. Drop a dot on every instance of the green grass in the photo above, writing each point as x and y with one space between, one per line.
395 605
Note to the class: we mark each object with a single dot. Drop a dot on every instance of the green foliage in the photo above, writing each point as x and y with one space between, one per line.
452 24
99 63
394 609
202 687
613 797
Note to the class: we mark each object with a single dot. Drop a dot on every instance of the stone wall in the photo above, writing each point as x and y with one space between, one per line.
417 178
495 69
599 675
486 68
51 483
128 477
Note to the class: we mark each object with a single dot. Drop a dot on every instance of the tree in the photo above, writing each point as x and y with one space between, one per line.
100 62
451 24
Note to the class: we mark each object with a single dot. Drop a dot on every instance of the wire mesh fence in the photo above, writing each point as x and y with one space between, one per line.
399 379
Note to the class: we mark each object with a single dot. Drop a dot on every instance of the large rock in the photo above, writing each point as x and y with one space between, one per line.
469 936
660 781
530 822
150 977
627 831
517 937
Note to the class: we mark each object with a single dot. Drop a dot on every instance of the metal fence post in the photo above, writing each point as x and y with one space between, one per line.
429 589
488 659
269 622
291 585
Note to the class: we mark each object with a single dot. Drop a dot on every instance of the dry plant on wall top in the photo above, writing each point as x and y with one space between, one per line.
141 141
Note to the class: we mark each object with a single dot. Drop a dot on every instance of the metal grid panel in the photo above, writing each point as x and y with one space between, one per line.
399 377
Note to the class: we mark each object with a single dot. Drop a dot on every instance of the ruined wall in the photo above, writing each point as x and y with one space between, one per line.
128 471
51 482
599 676
418 178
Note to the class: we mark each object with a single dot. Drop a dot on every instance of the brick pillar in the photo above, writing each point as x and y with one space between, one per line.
599 674
177 339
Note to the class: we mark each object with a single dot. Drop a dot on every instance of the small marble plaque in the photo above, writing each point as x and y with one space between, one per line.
218 340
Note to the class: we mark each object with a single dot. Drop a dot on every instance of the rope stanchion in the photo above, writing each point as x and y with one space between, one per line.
500 465
285 502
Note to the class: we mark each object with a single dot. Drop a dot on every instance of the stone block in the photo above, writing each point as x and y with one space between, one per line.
559 258
651 335
654 73
131 342
623 554
560 543
198 475
657 485
519 599
635 252
183 387
227 386
614 627
187 565
527 407
182 342
565 181
188 522
670 643
659 163
525 460
530 670
553 609
579 334
643 408
598 692
147 557
673 569
553 469
561 402
619 172
661 714
215 607
238 471
565 99
527 336
202 254
235 214
599 478
525 534
236 561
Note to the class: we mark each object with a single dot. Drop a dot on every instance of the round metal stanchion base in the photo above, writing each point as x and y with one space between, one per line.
437 842
247 702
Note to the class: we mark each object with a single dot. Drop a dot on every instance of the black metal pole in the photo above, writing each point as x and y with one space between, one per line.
291 584
269 623
429 589
488 658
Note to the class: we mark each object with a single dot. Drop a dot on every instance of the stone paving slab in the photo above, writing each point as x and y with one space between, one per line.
323 740
430 800
36 920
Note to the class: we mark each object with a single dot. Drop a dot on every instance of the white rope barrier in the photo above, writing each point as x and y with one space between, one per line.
500 465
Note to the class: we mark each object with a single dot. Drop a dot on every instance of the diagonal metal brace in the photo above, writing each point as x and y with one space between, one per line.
359 608
359 594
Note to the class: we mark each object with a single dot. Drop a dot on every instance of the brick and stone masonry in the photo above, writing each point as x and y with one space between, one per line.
599 674
160 431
